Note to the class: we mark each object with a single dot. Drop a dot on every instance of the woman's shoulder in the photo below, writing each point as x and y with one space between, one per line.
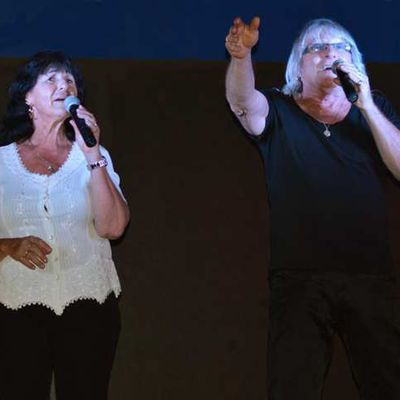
6 146
7 150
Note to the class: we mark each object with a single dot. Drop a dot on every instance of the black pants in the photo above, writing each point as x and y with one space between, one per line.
78 346
306 311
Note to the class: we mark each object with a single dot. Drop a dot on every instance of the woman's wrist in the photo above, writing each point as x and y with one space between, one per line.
100 163
93 156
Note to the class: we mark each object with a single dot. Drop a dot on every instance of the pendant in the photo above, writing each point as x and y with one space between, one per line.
327 132
50 169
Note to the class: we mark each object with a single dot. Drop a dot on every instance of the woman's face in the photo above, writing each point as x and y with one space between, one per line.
47 97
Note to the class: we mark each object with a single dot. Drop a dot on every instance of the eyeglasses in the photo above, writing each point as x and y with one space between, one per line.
320 47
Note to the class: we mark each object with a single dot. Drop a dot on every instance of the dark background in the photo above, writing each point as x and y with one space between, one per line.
193 262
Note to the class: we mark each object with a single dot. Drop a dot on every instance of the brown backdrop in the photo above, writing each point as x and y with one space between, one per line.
193 262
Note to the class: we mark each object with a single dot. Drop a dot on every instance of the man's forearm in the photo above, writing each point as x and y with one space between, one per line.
387 138
240 84
249 105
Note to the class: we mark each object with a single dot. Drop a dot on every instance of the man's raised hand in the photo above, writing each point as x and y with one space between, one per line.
242 37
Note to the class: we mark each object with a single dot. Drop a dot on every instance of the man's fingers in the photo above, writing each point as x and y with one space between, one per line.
255 24
237 21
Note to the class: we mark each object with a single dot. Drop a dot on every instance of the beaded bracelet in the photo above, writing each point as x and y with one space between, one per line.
98 164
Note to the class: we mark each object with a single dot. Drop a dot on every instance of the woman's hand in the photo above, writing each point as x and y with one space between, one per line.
242 37
90 152
30 251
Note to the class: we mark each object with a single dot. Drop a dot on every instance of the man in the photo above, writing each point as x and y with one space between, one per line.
331 269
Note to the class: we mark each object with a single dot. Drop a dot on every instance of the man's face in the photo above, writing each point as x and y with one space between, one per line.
319 56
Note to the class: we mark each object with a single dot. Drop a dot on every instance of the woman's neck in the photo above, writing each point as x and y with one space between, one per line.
49 135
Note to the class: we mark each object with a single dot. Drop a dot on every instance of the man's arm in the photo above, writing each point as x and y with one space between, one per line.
248 104
385 133
387 138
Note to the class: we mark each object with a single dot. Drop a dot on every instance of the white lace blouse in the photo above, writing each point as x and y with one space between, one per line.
57 209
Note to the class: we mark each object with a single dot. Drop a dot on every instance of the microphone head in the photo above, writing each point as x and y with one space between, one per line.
71 101
335 64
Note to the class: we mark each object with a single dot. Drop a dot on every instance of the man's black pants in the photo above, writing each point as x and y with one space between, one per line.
308 309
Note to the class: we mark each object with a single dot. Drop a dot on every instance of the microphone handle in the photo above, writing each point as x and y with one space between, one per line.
347 86
85 131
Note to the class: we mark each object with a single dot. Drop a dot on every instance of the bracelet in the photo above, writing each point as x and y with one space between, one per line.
98 164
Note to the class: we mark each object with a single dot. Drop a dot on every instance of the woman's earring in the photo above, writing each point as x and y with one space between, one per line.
30 111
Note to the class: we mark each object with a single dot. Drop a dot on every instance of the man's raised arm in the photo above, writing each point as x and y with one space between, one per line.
248 104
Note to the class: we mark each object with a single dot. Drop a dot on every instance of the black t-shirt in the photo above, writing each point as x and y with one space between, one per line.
326 198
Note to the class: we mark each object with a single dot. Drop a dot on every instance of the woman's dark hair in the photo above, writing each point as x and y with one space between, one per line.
17 125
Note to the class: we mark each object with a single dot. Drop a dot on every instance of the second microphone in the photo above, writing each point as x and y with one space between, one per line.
345 81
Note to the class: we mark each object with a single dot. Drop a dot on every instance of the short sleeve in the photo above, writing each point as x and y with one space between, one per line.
387 108
270 121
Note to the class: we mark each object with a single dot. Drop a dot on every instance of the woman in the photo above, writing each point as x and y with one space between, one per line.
60 205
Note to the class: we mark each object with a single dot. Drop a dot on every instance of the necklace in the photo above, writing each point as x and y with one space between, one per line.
51 167
326 132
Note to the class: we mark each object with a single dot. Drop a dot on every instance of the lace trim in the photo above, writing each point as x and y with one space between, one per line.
15 163
116 291
26 170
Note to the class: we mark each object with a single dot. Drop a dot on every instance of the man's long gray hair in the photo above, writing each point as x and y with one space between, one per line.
313 31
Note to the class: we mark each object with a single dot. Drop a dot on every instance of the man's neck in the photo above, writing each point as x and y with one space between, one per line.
329 106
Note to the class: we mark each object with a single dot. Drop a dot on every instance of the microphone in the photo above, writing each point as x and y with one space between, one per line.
71 103
345 81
